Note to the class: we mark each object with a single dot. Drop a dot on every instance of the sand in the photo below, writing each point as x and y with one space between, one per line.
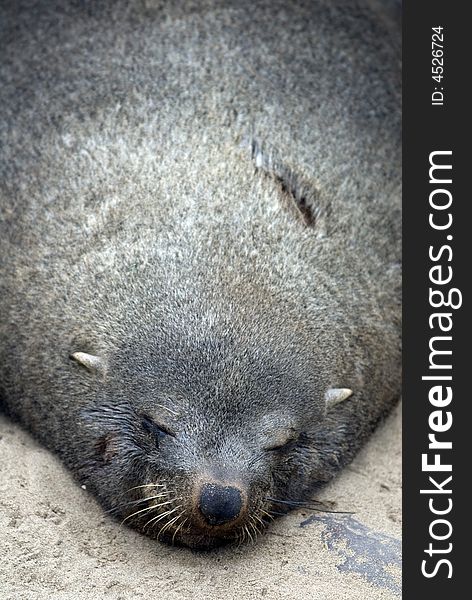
56 543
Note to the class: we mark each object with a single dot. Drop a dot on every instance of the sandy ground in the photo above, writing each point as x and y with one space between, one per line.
57 544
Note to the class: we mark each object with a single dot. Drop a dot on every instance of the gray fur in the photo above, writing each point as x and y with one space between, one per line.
155 160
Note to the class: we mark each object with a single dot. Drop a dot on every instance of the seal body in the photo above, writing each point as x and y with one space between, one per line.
200 249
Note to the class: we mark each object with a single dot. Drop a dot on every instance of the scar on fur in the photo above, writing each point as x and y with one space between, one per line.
301 195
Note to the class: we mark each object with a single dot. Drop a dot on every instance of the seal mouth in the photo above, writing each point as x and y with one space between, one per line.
197 541
195 533
177 527
210 538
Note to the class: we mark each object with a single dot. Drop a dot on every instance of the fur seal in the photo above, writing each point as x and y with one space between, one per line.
200 249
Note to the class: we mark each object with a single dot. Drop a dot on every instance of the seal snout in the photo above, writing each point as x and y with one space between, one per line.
220 504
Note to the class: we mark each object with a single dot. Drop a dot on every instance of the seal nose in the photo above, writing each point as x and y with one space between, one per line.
219 504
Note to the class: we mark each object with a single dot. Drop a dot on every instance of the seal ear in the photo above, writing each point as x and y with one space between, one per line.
89 361
336 395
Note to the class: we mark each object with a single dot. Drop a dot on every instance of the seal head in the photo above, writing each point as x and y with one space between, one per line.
198 443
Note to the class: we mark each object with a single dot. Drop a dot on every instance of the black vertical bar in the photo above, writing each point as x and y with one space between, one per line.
428 127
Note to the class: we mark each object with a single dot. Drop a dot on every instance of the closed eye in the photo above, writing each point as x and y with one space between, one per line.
283 444
151 427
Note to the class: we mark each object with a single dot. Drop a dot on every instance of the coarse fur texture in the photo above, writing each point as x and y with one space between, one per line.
204 197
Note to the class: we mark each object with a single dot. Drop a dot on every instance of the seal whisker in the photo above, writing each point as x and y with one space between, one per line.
267 514
160 516
164 503
160 495
307 505
254 527
165 515
258 518
168 524
135 502
238 539
137 487
147 508
241 537
179 527
293 502
120 507
249 533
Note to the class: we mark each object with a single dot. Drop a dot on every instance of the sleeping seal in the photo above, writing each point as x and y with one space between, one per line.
200 249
